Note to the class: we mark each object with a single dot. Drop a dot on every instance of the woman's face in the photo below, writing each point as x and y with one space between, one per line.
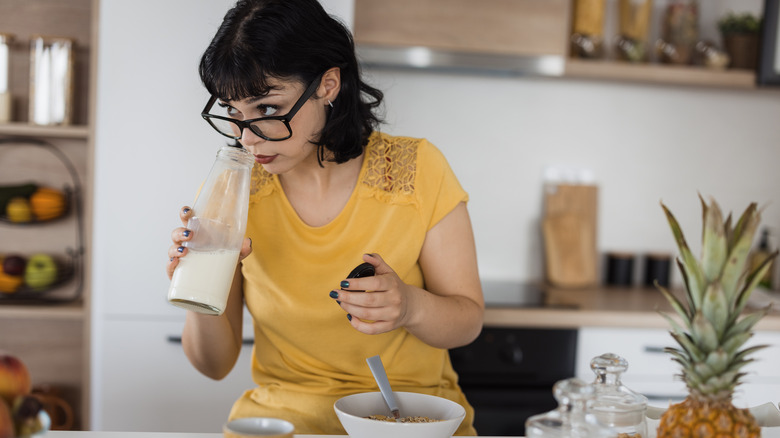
279 157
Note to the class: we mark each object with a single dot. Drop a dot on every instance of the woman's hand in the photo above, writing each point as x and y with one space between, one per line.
183 234
446 314
384 307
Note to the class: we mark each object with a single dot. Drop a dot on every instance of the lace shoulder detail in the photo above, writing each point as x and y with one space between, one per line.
391 167
262 182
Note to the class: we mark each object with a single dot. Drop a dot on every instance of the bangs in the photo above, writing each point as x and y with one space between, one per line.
235 76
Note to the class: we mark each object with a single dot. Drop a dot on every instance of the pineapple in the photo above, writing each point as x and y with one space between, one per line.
713 332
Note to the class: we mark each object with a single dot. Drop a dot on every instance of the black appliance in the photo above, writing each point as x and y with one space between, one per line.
507 374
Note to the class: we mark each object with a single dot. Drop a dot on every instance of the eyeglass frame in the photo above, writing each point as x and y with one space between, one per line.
243 124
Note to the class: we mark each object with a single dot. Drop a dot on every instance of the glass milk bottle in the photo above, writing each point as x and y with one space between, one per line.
202 279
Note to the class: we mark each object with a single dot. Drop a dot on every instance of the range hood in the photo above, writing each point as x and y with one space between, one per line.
418 57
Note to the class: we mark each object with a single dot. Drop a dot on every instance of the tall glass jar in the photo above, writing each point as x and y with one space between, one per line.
202 279
587 36
633 27
680 32
615 406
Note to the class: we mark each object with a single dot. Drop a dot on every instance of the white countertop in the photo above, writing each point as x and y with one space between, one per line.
101 434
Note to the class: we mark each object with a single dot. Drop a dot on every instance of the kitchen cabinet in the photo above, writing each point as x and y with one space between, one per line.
507 27
53 340
652 372
149 385
525 37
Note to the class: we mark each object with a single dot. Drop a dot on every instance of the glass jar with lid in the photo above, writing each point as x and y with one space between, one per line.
572 417
615 406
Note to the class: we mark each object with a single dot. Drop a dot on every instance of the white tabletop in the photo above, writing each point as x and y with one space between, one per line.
103 434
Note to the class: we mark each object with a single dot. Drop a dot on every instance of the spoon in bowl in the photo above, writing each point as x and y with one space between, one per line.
378 370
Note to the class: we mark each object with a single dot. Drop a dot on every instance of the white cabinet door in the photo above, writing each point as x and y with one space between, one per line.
652 372
149 385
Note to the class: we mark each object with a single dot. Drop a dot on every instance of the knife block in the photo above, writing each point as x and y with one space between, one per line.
569 229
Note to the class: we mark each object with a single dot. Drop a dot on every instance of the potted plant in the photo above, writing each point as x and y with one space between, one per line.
740 38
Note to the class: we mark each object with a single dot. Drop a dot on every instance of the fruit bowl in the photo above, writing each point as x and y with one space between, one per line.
25 276
352 411
29 204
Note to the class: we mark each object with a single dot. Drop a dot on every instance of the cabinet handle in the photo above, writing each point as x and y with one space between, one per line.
654 349
674 398
177 340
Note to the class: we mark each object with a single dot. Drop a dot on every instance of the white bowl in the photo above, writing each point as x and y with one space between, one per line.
353 409
258 427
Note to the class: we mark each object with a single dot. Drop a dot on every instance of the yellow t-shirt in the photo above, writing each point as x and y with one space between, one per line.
306 354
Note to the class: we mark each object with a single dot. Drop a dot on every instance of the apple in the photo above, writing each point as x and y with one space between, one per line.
14 265
6 421
41 271
14 378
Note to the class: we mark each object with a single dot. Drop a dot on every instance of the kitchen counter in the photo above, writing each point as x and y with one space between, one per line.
517 305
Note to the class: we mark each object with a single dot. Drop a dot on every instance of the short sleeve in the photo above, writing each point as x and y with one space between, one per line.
437 187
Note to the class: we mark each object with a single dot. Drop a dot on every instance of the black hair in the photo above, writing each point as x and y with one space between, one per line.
293 39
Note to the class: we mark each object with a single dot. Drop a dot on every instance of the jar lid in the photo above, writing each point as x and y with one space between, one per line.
610 393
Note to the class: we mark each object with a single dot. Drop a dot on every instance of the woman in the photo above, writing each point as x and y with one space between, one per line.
329 192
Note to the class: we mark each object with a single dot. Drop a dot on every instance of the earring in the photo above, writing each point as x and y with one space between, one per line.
330 103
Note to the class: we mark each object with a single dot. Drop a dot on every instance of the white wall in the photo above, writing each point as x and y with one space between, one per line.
643 143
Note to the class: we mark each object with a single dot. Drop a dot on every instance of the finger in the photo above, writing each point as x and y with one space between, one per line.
246 249
174 253
173 262
369 328
367 313
185 214
360 299
378 263
181 234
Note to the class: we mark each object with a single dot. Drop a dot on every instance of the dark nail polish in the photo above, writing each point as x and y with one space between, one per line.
338 302
349 317
334 294
344 284
250 242
186 233
186 210
180 249
171 259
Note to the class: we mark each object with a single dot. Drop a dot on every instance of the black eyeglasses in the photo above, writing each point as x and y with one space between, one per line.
272 128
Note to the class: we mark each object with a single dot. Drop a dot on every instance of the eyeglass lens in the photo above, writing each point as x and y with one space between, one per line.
272 129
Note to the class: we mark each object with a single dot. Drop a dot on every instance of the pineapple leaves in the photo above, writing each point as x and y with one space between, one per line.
690 348
676 328
745 324
752 281
676 305
715 308
691 270
714 249
733 343
712 335
704 333
739 249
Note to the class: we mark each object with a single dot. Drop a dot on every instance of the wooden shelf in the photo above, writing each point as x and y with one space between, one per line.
659 74
26 129
70 311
